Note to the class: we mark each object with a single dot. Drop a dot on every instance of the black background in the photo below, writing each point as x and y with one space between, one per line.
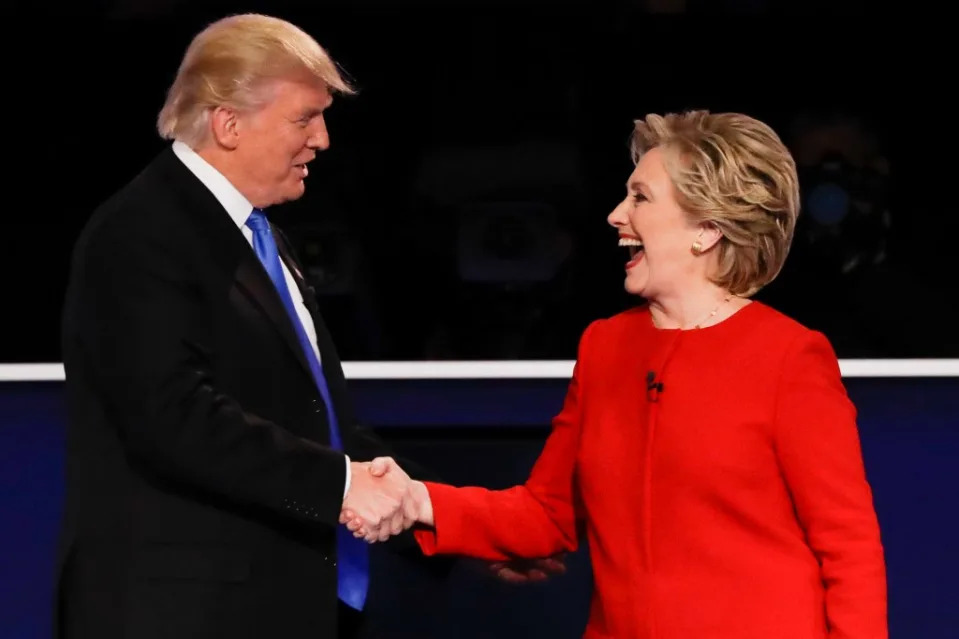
464 103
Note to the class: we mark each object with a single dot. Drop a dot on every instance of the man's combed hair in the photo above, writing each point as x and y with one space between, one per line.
230 62
733 171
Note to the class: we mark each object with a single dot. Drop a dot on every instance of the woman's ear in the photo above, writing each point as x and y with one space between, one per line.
709 236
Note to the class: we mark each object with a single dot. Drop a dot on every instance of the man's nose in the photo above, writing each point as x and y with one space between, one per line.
319 136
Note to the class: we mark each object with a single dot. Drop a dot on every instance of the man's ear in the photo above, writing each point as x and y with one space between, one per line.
225 126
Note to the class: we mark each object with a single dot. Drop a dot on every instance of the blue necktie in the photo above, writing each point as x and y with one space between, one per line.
353 558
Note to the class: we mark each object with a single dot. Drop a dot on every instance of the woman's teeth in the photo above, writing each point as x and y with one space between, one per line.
635 246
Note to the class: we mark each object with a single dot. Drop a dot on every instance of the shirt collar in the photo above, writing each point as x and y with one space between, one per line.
236 205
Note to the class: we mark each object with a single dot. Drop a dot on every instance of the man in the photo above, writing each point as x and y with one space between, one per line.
211 442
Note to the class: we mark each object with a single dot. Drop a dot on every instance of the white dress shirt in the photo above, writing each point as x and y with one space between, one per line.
239 210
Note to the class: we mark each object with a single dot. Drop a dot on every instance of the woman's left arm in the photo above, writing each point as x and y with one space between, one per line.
817 442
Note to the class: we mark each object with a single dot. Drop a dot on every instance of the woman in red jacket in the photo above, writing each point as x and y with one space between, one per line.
706 446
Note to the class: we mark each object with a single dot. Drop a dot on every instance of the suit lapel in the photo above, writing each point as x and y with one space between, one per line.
231 250
306 291
253 280
332 367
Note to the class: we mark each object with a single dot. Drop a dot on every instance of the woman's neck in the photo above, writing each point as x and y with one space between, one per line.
705 306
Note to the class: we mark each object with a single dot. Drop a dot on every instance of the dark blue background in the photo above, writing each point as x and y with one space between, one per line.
488 432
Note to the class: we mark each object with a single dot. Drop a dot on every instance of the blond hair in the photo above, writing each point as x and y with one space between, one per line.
733 171
228 64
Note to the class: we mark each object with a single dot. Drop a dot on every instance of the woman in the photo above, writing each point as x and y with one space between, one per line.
706 444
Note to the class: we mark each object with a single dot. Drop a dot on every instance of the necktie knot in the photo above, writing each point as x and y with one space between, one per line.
258 222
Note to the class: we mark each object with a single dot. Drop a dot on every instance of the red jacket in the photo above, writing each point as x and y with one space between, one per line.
729 502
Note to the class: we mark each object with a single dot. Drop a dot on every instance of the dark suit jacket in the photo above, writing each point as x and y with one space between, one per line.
202 496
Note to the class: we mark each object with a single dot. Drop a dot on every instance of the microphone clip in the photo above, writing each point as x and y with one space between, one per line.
653 388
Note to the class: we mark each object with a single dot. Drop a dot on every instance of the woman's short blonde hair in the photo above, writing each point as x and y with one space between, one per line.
733 171
230 62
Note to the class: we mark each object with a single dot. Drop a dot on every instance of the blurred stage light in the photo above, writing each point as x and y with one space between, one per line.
509 242
847 222
330 257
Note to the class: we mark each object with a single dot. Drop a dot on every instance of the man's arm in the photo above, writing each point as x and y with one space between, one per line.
139 321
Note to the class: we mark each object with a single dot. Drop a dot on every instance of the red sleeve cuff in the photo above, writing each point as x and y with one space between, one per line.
447 514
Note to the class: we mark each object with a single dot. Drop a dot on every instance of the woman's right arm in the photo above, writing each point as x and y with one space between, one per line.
535 519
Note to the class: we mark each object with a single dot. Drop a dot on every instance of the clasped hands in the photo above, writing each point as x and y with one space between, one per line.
383 501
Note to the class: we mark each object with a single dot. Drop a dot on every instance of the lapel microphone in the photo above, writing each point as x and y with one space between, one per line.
653 388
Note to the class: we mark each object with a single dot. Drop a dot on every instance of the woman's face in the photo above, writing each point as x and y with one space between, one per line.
656 230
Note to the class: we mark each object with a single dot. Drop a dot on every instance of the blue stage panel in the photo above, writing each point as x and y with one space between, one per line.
488 432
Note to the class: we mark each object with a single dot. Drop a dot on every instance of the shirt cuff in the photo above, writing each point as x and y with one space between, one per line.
349 476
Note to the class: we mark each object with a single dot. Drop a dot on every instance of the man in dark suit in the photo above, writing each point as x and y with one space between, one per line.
211 442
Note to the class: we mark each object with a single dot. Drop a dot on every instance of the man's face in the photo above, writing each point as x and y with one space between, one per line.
277 141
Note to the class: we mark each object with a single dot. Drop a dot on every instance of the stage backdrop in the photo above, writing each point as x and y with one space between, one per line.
488 432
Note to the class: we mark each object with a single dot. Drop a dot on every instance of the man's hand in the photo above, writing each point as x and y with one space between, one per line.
415 508
521 571
381 497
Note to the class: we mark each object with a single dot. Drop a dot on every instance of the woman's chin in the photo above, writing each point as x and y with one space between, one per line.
633 288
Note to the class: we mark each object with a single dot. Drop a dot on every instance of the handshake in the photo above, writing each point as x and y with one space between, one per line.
383 501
